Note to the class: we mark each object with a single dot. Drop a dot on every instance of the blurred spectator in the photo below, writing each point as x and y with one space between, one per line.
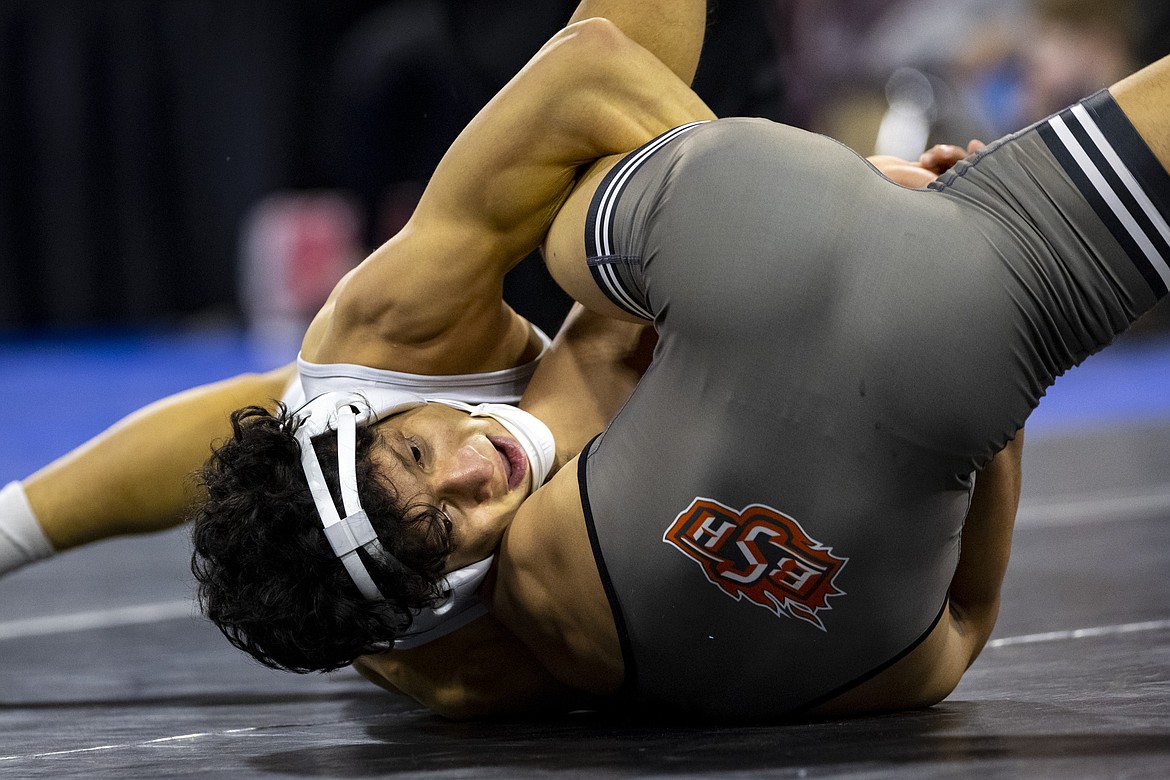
137 136
1056 53
894 76
408 77
985 67
1153 29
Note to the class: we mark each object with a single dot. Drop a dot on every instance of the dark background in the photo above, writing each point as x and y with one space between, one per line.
135 135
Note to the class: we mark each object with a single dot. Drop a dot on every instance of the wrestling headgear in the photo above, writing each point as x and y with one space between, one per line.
345 411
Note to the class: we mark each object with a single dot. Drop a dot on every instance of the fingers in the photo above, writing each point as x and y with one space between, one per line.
910 175
933 162
941 156
900 171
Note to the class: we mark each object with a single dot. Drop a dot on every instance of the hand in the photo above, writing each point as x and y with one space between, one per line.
903 172
940 157
932 162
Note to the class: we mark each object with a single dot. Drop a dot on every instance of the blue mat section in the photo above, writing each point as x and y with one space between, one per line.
60 390
1125 384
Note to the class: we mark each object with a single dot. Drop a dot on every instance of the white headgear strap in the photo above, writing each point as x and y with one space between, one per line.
346 535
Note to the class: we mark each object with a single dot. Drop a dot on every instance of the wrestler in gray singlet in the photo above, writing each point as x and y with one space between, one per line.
776 512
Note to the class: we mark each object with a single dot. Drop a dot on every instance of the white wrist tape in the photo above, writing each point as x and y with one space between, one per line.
21 539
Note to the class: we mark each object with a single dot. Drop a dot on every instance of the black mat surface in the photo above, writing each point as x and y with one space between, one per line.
1076 682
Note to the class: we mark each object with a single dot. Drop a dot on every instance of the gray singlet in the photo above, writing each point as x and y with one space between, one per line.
776 512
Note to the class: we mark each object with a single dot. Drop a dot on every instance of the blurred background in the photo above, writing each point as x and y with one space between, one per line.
182 182
219 163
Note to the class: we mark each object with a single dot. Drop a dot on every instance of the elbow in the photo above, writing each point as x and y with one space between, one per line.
597 41
975 620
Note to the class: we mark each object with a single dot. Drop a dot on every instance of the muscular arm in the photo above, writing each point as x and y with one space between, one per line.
430 299
136 476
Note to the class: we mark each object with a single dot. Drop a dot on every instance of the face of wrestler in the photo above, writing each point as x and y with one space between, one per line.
469 467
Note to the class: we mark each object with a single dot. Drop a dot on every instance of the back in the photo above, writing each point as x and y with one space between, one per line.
775 515
776 512
728 502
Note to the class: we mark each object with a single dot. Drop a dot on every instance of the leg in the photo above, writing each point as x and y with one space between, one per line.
1145 99
135 477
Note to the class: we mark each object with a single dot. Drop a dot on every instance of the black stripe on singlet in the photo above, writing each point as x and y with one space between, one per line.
841 689
631 670
1119 177
602 219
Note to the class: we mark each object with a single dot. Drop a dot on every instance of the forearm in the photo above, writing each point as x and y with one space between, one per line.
986 544
671 30
591 92
594 364
136 476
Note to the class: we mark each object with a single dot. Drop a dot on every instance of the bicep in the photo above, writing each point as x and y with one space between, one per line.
589 93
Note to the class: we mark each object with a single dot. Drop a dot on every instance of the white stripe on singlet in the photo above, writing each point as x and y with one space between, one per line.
1106 191
603 246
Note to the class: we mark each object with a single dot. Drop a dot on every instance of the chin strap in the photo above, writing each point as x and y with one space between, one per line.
460 605
353 532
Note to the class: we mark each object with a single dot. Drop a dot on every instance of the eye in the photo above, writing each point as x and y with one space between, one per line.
415 452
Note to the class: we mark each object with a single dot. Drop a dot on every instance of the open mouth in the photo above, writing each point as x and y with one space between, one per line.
514 460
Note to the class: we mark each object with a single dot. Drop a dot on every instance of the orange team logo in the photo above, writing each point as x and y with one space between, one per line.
759 553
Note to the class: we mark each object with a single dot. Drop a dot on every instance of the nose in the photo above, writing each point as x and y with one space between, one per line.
464 475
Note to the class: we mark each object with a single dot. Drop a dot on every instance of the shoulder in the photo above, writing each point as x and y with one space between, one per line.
545 556
399 310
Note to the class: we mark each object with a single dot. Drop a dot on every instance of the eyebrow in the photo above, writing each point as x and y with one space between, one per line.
407 478
403 460
393 441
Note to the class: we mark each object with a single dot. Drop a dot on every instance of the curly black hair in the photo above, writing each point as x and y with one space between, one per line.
266 573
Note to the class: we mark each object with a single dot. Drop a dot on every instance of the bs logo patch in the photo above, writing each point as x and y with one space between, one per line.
761 554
